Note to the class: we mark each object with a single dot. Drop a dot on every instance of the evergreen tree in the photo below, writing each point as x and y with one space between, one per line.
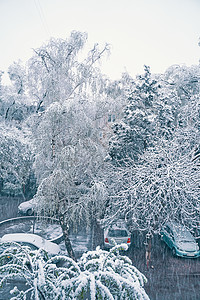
134 133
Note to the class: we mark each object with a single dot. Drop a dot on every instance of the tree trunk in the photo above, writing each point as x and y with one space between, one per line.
65 231
97 237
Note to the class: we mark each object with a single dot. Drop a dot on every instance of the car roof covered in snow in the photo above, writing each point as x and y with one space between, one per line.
27 204
180 231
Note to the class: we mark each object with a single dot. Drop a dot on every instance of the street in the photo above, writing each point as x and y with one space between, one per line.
169 277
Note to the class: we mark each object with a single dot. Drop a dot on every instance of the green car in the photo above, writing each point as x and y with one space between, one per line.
180 240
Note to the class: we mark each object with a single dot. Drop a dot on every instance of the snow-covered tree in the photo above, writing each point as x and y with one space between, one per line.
164 184
134 133
59 70
68 152
15 104
16 151
97 275
153 110
67 168
16 160
184 80
17 75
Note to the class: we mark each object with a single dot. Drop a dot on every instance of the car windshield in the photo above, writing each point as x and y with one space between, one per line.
117 233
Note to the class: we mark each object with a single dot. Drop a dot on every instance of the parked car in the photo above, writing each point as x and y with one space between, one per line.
118 235
180 240
33 241
27 208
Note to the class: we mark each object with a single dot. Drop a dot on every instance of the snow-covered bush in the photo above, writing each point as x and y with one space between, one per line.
25 265
97 275
109 275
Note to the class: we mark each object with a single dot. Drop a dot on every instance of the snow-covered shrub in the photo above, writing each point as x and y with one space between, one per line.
97 275
25 265
109 275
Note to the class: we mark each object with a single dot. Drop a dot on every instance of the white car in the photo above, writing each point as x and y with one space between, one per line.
118 235
28 207
33 241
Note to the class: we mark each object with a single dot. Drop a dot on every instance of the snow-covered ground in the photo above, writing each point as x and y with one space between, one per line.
79 244
33 240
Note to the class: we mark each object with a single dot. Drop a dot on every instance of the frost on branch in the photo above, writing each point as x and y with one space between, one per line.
98 275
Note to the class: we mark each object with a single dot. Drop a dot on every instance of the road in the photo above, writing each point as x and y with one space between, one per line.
169 278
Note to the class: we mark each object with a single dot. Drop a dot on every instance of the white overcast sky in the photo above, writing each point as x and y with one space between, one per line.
158 33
